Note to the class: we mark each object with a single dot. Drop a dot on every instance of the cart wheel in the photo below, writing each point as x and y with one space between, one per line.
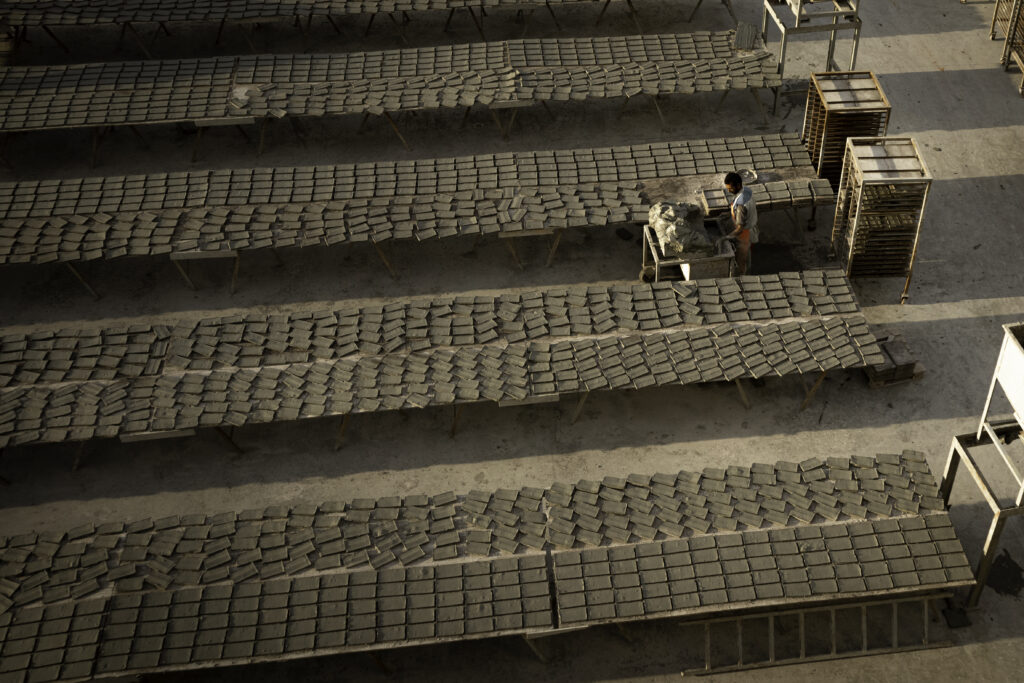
647 274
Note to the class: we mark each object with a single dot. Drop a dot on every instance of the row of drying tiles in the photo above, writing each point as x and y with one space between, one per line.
445 376
137 348
83 197
197 550
195 100
257 618
351 66
505 212
93 12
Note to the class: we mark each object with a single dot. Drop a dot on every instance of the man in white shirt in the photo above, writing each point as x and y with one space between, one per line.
744 218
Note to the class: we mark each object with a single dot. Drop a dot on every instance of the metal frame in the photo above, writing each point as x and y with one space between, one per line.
804 16
1009 375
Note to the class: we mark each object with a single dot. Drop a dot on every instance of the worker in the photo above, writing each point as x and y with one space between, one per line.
743 211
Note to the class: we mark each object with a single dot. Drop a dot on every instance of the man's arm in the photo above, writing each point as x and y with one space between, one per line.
739 219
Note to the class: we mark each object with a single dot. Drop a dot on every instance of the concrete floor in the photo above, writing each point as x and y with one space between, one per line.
941 74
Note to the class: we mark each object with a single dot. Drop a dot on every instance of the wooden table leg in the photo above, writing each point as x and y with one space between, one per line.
477 22
578 410
558 27
229 437
78 276
234 272
79 453
384 258
339 438
814 390
554 247
184 275
512 250
46 29
456 413
743 393
394 127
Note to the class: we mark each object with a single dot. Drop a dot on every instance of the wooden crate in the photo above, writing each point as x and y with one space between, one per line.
841 105
879 207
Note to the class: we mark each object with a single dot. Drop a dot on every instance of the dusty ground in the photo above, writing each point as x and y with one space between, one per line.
942 76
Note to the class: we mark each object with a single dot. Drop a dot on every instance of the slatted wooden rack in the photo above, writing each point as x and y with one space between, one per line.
1008 16
841 105
879 207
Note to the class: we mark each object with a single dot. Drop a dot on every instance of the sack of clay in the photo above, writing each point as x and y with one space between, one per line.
679 228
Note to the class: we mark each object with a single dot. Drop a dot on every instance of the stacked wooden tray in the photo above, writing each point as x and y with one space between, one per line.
879 207
841 105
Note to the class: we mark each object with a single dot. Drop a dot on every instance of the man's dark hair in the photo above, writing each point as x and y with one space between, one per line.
733 178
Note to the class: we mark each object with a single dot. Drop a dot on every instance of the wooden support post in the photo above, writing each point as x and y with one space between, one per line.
97 138
78 276
399 27
139 137
220 31
511 122
297 130
456 413
578 410
465 117
554 248
184 275
814 390
234 271
384 258
743 394
694 12
394 127
199 141
949 475
339 438
229 437
558 27
988 556
369 24
604 8
634 16
248 40
535 649
277 257
512 250
334 25
739 641
477 22
47 31
263 136
721 100
448 21
707 646
497 121
732 13
79 452
380 663
138 39
544 104
657 108
163 27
